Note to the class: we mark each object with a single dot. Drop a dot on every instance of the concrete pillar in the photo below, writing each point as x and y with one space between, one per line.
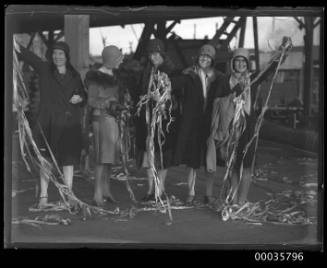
76 31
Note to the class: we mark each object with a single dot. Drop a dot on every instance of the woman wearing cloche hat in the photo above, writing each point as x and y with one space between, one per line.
198 85
240 82
157 61
104 94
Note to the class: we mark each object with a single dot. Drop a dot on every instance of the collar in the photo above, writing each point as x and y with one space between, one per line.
107 71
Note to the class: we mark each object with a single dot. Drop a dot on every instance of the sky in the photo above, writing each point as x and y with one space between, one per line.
270 33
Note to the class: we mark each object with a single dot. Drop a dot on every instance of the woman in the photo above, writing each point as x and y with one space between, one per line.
240 81
157 61
60 113
104 93
198 86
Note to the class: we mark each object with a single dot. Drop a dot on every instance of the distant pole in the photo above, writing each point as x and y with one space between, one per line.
242 34
103 39
194 34
131 47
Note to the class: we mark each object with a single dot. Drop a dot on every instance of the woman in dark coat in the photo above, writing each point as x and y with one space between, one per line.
157 62
60 113
197 86
239 82
104 95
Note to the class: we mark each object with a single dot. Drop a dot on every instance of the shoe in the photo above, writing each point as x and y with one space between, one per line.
97 204
148 197
110 199
209 200
43 203
190 199
73 206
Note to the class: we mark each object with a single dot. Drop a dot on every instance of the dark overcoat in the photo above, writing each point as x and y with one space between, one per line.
141 128
59 119
195 117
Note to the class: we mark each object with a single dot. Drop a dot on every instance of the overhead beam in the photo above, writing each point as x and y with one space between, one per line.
171 26
161 30
242 34
31 40
216 39
44 39
162 11
233 32
59 35
43 18
317 23
302 25
145 36
50 37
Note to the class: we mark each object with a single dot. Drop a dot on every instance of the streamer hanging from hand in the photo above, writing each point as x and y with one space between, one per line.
159 95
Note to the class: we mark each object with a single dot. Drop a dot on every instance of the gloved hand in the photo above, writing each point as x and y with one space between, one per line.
75 99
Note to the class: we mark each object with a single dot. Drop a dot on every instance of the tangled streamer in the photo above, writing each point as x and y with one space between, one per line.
123 119
238 127
285 208
159 95
252 211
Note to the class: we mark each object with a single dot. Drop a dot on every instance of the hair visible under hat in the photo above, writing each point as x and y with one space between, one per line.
208 50
156 45
62 46
241 52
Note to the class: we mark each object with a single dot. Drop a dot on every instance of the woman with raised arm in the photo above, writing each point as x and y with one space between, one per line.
226 130
62 97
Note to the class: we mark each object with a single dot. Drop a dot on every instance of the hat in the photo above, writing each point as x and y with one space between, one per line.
240 52
62 46
111 55
208 50
156 45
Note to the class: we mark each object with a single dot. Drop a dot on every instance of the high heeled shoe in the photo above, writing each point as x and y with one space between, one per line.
190 200
97 203
44 203
148 198
110 199
209 200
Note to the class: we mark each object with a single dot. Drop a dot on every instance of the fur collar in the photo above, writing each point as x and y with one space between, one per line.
100 78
